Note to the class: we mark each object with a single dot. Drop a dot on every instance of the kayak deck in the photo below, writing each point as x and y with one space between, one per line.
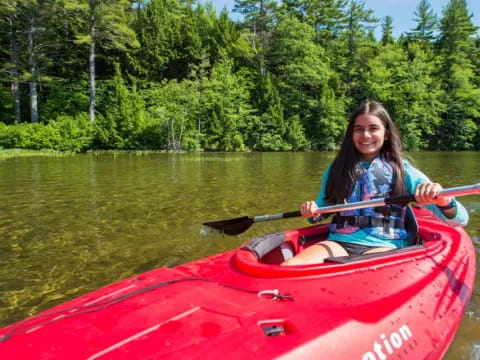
400 305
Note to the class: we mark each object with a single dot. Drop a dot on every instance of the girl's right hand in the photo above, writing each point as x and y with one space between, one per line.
307 209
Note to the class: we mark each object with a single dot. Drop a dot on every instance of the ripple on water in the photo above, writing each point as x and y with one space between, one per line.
475 352
476 240
474 206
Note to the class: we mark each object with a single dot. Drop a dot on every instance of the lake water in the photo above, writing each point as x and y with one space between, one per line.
72 224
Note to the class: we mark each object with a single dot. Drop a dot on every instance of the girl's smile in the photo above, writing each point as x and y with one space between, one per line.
368 136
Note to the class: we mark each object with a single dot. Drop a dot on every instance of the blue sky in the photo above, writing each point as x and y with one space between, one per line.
400 10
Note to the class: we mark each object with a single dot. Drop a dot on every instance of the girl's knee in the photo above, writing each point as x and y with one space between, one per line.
316 254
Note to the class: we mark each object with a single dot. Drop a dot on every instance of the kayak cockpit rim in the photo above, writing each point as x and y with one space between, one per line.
262 256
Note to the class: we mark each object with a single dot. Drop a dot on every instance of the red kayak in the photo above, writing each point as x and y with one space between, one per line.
403 304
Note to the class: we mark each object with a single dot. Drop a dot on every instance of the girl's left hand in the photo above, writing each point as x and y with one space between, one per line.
426 193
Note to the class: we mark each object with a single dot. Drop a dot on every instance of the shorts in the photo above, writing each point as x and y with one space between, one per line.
355 249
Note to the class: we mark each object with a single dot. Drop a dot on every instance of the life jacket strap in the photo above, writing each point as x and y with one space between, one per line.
367 221
390 211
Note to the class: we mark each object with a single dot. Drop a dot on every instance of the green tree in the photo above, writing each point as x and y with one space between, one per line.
331 119
228 112
106 25
268 133
303 72
422 99
259 18
33 23
404 81
216 34
227 36
172 109
39 52
457 46
328 19
127 108
387 31
426 21
11 68
294 8
170 36
33 12
355 45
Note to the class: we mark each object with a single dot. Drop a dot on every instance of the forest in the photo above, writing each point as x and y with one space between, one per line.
80 75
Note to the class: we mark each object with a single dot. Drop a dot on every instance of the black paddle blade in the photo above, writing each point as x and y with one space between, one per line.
231 226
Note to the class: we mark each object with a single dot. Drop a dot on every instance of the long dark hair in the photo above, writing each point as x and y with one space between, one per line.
344 169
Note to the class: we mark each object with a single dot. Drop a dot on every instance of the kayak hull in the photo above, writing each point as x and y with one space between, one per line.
403 304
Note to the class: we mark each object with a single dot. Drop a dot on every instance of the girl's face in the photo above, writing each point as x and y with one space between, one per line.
369 134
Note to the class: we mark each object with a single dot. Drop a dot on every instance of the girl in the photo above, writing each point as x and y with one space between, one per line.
368 165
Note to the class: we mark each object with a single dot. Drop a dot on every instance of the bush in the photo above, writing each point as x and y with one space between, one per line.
27 136
75 133
191 141
153 136
106 136
65 134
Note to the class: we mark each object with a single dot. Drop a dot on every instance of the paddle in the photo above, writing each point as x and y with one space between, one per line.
239 225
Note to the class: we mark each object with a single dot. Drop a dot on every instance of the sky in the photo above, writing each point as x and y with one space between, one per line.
400 10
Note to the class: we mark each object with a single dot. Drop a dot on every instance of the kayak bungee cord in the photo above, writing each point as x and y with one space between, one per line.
27 326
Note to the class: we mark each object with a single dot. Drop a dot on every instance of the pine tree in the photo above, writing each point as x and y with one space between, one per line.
172 38
328 19
270 130
359 19
228 110
9 12
258 16
427 23
34 20
387 31
456 44
302 69
106 27
294 8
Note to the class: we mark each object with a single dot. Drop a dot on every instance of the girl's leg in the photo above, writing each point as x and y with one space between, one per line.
315 254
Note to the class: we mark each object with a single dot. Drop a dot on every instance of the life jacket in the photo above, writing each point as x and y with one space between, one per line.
384 222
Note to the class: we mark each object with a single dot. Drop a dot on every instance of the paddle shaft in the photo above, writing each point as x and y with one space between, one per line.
238 225
404 199
286 215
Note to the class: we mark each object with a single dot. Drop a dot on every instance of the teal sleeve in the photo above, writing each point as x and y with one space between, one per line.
321 195
413 178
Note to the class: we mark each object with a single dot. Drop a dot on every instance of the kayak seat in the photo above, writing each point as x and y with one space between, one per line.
271 248
279 254
264 244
